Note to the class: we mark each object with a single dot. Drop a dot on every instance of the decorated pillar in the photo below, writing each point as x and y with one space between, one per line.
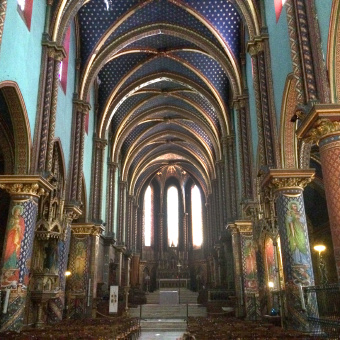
235 239
97 179
185 234
83 263
249 270
120 249
111 198
129 227
3 7
109 257
219 167
122 212
322 126
18 246
135 225
80 110
287 186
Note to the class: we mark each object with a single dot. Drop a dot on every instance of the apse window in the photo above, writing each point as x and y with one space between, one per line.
196 217
148 216
172 213
25 10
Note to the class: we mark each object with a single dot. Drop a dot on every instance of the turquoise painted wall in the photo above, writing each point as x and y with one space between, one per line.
64 105
280 52
115 208
238 158
23 66
88 149
323 8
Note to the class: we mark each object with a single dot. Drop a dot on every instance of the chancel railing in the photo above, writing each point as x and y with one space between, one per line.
325 318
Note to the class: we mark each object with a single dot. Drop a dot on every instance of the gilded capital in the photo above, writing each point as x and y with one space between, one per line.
283 179
244 227
87 229
82 106
256 45
323 128
25 185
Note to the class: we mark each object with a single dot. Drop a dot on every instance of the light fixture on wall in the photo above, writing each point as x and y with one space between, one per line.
322 265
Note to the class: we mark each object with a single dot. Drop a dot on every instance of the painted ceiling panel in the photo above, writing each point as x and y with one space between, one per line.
162 11
163 64
206 106
162 42
139 156
112 73
222 15
166 85
150 170
133 136
95 19
210 68
126 107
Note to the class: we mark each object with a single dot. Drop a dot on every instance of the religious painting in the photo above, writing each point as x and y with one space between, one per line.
296 228
250 265
14 237
270 261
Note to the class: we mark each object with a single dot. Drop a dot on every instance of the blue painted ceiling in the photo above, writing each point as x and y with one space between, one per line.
184 73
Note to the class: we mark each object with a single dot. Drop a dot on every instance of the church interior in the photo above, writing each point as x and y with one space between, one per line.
170 147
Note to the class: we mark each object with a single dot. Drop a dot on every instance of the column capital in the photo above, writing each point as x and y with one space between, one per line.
81 105
257 44
55 51
25 185
244 226
87 229
72 212
232 228
322 121
283 179
100 143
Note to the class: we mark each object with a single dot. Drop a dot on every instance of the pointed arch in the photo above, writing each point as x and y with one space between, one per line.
21 127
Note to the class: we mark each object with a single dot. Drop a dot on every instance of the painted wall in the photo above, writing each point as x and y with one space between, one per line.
23 66
323 8
281 62
88 148
64 105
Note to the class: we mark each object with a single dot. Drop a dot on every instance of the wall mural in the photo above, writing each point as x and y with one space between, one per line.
250 273
270 262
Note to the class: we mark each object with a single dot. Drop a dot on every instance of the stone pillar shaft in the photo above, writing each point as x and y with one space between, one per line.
122 212
111 199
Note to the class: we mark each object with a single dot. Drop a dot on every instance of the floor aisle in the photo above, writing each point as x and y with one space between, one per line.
146 335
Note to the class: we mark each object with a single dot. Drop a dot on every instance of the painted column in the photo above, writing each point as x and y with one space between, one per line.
111 198
54 56
287 186
219 166
236 245
215 211
120 250
249 270
135 225
322 126
129 227
122 212
18 246
185 234
97 180
80 109
161 233
83 263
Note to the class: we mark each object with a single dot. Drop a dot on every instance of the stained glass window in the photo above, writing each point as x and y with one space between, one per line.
148 213
196 217
172 213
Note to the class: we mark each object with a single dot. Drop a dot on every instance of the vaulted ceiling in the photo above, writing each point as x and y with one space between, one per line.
167 71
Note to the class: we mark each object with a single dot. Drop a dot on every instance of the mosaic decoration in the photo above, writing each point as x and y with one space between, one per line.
16 264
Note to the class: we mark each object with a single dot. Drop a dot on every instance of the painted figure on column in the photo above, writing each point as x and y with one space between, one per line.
270 261
250 265
15 234
296 224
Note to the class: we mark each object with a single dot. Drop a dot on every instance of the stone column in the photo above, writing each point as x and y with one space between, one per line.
322 125
249 270
111 198
287 186
235 239
122 212
161 234
135 260
54 55
109 257
135 225
219 168
185 234
97 179
129 226
80 109
214 211
119 251
18 246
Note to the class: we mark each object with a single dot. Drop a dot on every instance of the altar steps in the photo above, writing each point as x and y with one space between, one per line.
186 296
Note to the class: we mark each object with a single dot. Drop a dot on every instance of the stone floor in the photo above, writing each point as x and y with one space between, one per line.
145 335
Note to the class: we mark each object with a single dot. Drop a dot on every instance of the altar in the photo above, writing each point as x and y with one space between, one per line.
168 297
